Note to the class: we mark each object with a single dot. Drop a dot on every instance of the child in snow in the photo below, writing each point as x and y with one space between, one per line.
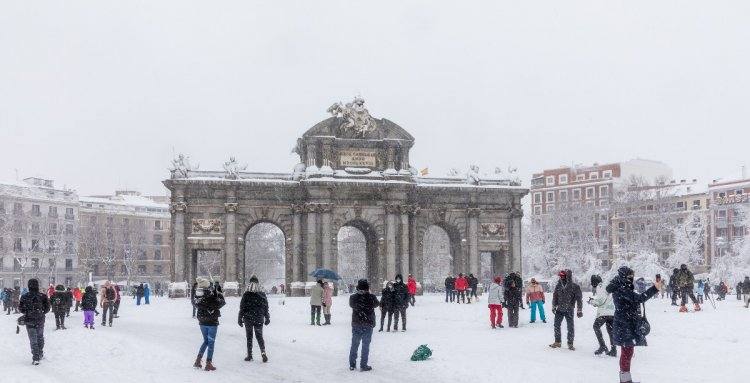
88 305
535 300
495 302
327 302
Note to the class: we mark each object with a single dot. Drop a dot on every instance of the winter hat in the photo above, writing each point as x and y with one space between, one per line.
33 284
363 285
89 289
595 280
254 285
624 271
562 274
59 288
498 279
203 283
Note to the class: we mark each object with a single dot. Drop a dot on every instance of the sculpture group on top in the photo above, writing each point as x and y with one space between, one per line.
357 120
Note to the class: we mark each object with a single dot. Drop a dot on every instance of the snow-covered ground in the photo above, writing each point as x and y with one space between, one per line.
158 343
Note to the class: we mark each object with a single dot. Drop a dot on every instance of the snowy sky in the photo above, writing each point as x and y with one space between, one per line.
98 94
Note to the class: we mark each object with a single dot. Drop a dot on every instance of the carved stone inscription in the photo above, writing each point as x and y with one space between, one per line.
363 158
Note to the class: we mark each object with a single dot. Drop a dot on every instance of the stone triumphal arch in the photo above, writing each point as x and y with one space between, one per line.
354 171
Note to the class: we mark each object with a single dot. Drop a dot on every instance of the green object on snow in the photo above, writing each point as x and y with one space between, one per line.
421 353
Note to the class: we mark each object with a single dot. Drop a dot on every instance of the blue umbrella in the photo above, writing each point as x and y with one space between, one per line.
325 274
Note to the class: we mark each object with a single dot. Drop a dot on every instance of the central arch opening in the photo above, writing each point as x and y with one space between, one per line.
357 254
437 258
265 255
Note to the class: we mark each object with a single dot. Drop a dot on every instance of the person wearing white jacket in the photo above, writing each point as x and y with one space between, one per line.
605 311
495 302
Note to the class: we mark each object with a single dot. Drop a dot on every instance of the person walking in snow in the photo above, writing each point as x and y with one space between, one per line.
69 297
363 306
674 288
253 315
535 300
400 302
34 305
60 304
685 282
118 299
316 302
698 290
77 295
208 301
460 286
138 294
450 289
386 305
88 305
146 294
738 290
605 311
627 317
746 290
411 285
107 298
8 295
495 297
327 302
513 298
566 297
50 291
16 298
473 286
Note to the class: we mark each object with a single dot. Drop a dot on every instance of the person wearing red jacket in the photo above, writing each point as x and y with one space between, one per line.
461 285
411 286
77 297
50 291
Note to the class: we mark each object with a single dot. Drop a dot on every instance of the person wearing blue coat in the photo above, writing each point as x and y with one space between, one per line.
146 292
627 311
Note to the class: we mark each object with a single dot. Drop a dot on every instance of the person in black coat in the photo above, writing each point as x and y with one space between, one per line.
386 305
450 282
566 296
513 296
363 305
208 301
60 302
253 315
34 305
473 285
192 297
627 317
88 305
400 302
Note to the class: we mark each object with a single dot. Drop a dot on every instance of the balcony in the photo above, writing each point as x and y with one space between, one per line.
70 216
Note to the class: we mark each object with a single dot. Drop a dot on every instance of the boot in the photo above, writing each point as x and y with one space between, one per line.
697 307
613 352
601 350
683 309
209 366
625 377
555 345
570 347
263 356
249 358
328 319
198 363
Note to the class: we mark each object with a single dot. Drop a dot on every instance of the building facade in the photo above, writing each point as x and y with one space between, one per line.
38 233
125 238
730 205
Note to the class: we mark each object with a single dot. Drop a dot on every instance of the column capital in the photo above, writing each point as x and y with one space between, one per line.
413 209
473 212
298 208
392 208
231 207
178 207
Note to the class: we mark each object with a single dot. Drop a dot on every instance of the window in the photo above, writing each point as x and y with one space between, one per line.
110 221
157 239
52 263
35 245
738 231
51 246
563 196
604 191
550 196
141 254
576 194
158 269
69 213
607 174
52 212
537 210
69 228
95 270
738 192
157 225
590 192
680 221
34 228
125 222
550 208
550 180
69 249
696 204
537 198
36 211
680 205
53 228
142 269
157 254
17 208
594 175
123 270
2 207
562 179
18 245
35 263
580 177
721 232
603 202
721 214
2 243
621 227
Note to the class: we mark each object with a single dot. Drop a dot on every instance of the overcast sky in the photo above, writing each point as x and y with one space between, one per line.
99 94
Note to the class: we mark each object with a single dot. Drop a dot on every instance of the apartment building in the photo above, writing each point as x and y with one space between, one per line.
730 205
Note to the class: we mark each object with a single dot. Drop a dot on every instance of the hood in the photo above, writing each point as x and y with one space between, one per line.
254 287
89 289
363 285
33 285
624 271
399 278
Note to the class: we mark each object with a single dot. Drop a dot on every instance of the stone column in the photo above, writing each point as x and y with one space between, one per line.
297 242
390 241
230 239
473 239
515 242
312 153
405 159
311 240
405 259
325 226
415 255
179 258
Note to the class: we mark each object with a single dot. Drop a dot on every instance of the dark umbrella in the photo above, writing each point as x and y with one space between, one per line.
325 274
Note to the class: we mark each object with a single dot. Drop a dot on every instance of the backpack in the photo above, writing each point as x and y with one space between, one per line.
109 293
